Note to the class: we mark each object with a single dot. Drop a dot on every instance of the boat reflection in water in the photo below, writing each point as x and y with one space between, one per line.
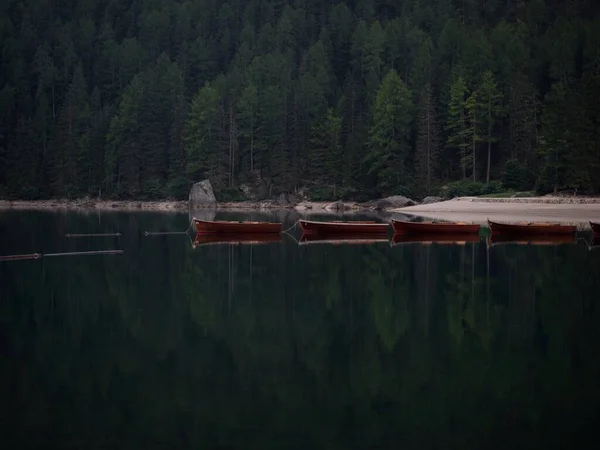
352 239
557 239
431 238
234 239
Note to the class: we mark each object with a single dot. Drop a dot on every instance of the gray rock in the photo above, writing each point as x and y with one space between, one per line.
395 201
282 200
338 206
202 194
431 199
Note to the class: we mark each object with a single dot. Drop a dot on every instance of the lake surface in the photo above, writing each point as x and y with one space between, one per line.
281 345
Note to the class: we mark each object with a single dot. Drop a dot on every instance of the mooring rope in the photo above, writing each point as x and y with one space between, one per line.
290 228
295 223
156 233
19 257
45 255
73 235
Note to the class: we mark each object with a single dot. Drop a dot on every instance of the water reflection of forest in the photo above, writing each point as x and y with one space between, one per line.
332 346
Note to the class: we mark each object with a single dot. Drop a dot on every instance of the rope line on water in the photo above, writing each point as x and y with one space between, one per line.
20 257
45 255
75 235
295 223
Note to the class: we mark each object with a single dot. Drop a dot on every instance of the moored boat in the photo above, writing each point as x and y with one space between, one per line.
532 228
595 227
401 226
234 239
237 227
339 228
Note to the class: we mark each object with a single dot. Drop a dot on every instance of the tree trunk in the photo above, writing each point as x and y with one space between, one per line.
487 178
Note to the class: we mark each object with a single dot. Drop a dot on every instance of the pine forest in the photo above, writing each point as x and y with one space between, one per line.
355 99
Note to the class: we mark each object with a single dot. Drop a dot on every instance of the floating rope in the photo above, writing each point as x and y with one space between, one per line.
93 252
295 223
71 235
156 233
40 255
19 257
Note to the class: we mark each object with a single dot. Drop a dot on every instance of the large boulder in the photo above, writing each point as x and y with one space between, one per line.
202 194
431 199
395 201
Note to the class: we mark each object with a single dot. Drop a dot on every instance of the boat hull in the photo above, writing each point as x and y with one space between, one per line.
595 227
532 229
231 227
310 227
435 228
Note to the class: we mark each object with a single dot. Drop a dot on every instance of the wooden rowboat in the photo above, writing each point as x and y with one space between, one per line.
437 228
532 228
203 239
343 228
361 239
235 227
595 227
430 238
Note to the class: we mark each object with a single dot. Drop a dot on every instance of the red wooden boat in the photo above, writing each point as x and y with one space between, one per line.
532 228
359 239
430 238
224 226
403 227
234 239
595 227
338 228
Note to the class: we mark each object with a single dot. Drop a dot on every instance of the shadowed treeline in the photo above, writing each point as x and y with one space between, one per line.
276 345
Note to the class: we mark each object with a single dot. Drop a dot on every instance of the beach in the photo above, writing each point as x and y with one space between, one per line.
575 211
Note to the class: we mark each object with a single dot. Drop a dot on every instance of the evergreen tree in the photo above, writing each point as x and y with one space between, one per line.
456 124
390 134
201 137
428 140
325 150
491 109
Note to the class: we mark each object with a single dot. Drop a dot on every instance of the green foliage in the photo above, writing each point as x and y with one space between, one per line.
469 188
517 176
230 194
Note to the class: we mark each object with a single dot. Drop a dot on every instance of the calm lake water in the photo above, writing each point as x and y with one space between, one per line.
282 345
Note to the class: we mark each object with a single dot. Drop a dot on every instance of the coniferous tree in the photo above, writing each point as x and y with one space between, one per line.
389 137
428 140
201 136
490 110
456 125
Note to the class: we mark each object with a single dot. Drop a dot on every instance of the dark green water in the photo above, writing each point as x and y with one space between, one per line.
287 346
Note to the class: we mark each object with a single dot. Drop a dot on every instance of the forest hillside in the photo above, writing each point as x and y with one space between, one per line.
343 99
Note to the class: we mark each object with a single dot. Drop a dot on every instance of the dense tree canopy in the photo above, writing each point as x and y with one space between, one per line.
139 98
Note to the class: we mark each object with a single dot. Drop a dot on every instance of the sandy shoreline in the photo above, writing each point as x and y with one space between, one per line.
541 209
